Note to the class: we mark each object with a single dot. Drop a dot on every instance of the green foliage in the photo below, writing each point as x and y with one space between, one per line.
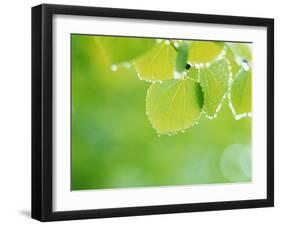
115 46
181 57
230 57
214 82
114 144
193 73
211 64
241 92
242 51
201 52
174 105
157 64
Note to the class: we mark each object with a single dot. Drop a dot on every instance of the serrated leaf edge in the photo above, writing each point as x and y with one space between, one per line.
149 80
232 108
171 133
223 97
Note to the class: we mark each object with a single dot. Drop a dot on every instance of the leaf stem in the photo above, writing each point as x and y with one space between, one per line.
173 45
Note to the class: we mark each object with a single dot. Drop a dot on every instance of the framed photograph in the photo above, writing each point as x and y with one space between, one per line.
145 112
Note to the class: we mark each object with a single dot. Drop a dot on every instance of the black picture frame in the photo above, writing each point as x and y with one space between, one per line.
42 103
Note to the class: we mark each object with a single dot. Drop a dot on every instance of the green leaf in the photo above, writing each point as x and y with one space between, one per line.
214 81
192 73
241 92
174 105
121 49
158 64
201 52
181 57
242 51
231 59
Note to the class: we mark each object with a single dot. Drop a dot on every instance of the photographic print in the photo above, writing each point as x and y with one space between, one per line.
159 112
138 112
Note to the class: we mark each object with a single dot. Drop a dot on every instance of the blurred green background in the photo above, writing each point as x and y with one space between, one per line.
114 144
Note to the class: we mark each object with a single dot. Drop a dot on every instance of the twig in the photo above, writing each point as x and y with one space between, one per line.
172 43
